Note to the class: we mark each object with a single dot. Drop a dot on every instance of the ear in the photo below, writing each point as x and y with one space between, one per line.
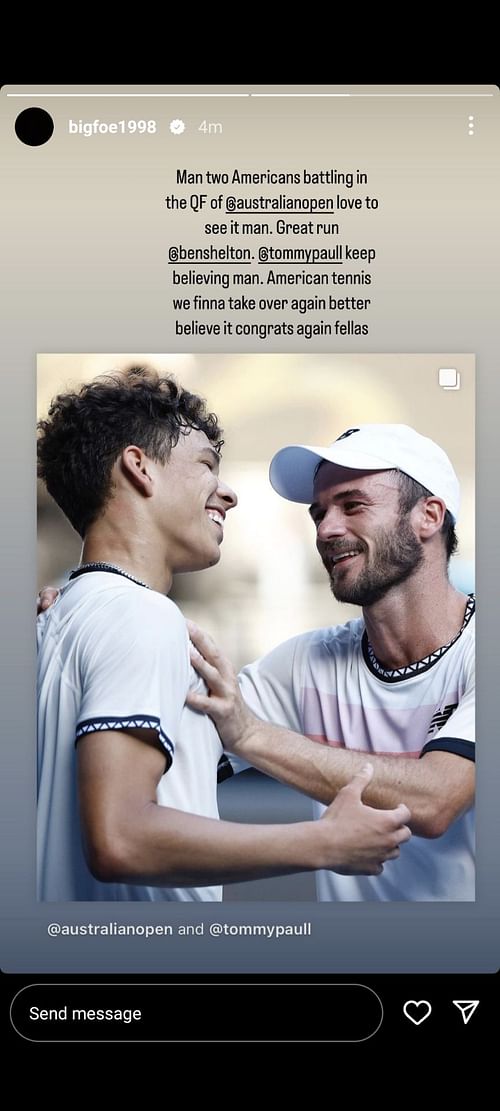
137 469
429 517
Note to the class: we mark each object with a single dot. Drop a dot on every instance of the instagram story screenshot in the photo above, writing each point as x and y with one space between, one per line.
249 394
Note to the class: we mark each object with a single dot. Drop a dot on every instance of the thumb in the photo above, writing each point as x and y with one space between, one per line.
360 781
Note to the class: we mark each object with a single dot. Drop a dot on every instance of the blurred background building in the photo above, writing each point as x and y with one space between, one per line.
270 583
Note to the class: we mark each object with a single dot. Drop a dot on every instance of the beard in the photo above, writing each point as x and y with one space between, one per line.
396 555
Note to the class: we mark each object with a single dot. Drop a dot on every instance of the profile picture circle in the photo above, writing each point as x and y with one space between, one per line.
34 126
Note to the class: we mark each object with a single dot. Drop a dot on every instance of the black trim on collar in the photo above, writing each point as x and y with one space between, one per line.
109 569
456 745
397 675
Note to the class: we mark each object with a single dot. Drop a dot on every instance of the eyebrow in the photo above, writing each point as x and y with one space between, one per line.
345 494
213 453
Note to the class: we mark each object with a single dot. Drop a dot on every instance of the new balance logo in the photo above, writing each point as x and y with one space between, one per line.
441 717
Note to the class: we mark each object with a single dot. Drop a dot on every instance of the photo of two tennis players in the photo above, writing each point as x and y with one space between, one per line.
139 713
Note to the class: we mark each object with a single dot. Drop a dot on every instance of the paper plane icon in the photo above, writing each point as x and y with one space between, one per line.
466 1008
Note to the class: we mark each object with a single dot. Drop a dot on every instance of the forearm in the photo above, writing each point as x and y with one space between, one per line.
320 772
437 788
316 769
162 847
129 838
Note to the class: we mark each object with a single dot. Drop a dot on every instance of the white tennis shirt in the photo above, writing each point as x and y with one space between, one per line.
114 655
327 685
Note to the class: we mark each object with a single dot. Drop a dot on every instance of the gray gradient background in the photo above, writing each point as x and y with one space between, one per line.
86 238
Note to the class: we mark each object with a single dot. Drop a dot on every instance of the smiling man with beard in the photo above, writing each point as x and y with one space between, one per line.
396 552
397 684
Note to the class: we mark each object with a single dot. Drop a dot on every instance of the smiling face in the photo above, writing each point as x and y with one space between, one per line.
191 503
367 545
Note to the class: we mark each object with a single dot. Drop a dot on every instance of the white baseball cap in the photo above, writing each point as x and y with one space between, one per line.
371 447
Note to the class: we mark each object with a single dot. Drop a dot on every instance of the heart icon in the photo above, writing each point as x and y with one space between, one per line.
417 1010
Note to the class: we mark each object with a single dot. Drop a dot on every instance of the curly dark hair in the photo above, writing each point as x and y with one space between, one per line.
85 432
